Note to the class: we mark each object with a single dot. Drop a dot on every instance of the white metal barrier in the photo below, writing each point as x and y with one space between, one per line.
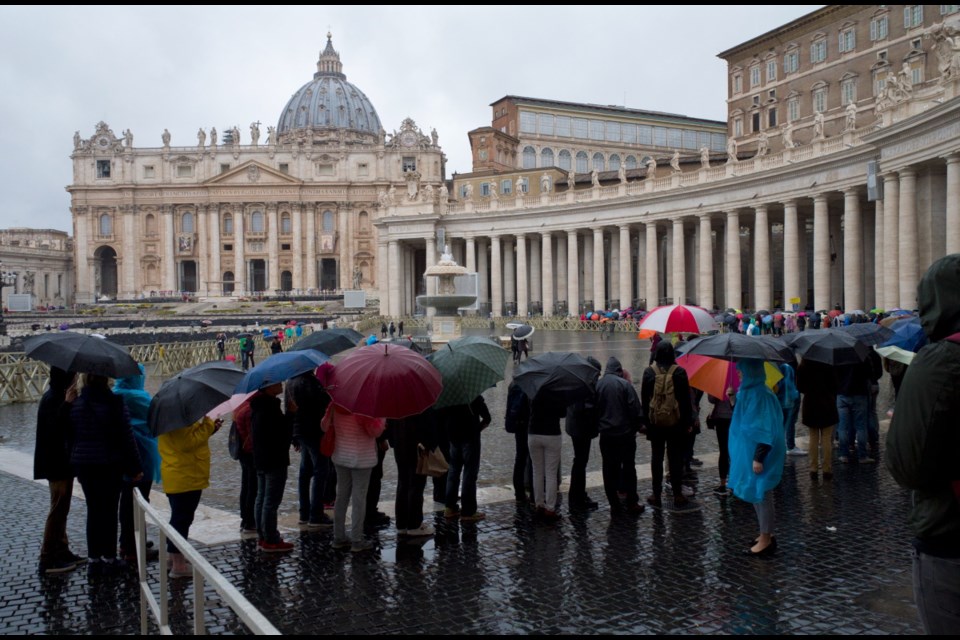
202 571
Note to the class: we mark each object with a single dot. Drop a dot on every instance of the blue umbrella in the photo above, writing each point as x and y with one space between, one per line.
908 334
279 367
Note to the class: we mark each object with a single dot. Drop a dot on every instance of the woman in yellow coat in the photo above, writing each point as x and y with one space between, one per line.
185 468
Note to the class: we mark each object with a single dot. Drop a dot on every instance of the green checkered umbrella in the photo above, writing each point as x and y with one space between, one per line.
468 366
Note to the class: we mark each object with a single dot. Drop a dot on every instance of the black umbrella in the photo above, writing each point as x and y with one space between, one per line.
736 346
829 347
868 333
82 353
329 341
189 395
522 332
409 344
566 377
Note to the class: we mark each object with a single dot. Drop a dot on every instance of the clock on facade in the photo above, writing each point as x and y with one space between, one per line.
408 138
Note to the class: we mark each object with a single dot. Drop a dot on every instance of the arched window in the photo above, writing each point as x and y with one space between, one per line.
631 162
150 224
546 157
227 224
582 161
106 225
614 162
186 223
286 227
364 222
565 160
256 222
286 281
529 158
228 283
598 161
328 222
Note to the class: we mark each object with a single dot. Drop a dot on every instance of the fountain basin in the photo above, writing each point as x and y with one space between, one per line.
446 304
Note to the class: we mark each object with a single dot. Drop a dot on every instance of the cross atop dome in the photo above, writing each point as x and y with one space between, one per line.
329 63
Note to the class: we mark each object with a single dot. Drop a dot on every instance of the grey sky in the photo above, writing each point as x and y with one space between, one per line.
150 68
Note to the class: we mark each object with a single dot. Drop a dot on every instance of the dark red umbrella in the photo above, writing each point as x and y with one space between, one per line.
385 381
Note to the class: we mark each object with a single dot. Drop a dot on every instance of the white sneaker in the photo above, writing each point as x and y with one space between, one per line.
424 529
796 451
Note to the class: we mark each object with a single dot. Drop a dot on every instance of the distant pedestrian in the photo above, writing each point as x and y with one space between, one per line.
242 345
248 351
221 344
392 329
818 412
400 329
275 345
383 329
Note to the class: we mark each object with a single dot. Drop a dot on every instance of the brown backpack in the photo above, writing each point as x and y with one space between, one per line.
664 408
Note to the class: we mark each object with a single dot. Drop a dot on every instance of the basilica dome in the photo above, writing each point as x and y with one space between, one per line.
329 101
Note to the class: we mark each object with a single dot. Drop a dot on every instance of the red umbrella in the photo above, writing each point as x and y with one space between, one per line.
385 381
679 318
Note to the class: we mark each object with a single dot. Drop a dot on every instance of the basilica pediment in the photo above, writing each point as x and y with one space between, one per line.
252 173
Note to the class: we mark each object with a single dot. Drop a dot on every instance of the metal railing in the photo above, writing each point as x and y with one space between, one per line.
203 572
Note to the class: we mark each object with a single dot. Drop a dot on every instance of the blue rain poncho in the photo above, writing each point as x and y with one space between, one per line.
137 402
757 419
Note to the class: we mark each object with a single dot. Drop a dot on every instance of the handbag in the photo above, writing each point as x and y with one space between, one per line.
430 462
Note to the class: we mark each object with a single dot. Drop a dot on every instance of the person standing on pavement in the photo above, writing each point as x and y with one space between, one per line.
276 345
463 424
923 444
666 435
408 437
789 399
757 450
376 519
103 451
719 421
393 329
185 469
51 462
311 400
581 426
818 412
853 400
272 436
221 344
383 330
517 422
249 349
248 471
619 419
400 328
544 441
354 455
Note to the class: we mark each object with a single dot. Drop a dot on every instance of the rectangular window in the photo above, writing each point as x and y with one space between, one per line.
184 170
284 247
524 186
660 136
580 128
644 134
754 76
546 124
879 81
612 132
771 118
563 126
324 169
149 171
771 70
284 167
878 28
756 101
848 91
228 247
528 122
818 51
409 163
628 132
596 130
463 192
718 142
755 122
848 40
819 100
772 94
916 75
689 139
506 187
737 127
703 139
363 169
947 9
485 188
793 109
673 138
103 168
912 16
737 83
224 168
791 62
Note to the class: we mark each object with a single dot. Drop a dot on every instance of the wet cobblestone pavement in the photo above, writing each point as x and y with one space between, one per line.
842 566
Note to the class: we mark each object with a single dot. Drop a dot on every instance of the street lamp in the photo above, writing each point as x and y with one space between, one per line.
7 278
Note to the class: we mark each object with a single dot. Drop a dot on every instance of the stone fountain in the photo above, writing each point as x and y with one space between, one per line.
446 323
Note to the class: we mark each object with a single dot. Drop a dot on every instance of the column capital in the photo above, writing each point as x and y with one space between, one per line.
572 232
624 227
851 191
546 234
820 198
908 172
520 236
732 213
761 207
789 202
952 158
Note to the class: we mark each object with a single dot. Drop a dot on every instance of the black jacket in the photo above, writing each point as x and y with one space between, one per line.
545 417
517 417
463 422
51 458
311 401
101 433
665 358
618 408
272 433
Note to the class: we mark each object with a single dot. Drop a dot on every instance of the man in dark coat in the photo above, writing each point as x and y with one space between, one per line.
581 426
922 448
51 462
272 434
618 422
310 399
462 425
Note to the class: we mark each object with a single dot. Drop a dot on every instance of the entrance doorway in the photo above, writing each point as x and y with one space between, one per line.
286 281
228 283
258 275
328 273
188 276
107 271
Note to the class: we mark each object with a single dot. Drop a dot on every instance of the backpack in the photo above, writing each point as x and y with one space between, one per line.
664 408
234 446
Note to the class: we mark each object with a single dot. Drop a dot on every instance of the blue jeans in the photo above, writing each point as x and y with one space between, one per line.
312 482
269 494
465 459
790 424
853 422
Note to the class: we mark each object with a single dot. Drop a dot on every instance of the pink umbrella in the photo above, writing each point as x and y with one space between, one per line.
679 318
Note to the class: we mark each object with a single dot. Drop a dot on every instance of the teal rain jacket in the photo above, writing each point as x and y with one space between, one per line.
757 419
137 402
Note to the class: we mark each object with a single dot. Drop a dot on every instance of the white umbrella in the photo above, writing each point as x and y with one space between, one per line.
897 354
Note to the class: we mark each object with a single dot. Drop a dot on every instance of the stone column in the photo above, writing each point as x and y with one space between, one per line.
239 255
299 282
546 271
131 257
599 279
483 272
679 264
393 251
273 246
641 288
653 288
523 297
430 259
878 254
343 243
909 247
587 260
705 281
536 283
612 267
791 253
496 279
821 253
471 261
573 274
509 274
734 294
761 258
383 274
203 256
626 290
891 242
561 280
169 257
953 204
311 259
852 251
83 287
216 272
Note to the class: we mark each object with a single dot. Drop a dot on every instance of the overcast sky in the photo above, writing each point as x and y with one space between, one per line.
146 69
